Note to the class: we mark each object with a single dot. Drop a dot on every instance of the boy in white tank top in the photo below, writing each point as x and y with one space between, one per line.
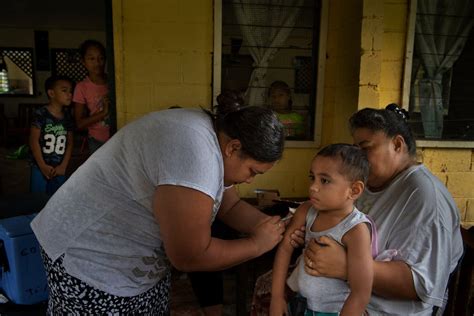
338 175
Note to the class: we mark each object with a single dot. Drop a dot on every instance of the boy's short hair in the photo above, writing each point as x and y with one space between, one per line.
51 82
283 86
280 85
91 43
354 163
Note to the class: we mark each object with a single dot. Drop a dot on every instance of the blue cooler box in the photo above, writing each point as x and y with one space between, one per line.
23 278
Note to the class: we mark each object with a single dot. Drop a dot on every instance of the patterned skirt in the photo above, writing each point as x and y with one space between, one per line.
71 296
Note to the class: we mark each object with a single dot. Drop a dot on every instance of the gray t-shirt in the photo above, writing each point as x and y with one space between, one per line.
102 218
324 294
417 216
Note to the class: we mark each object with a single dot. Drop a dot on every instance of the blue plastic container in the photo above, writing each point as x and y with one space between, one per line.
23 278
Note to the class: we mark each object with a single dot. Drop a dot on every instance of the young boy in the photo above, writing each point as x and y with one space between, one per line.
51 137
281 102
338 175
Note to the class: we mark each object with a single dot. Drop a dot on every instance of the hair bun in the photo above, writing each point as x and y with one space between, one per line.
399 111
228 102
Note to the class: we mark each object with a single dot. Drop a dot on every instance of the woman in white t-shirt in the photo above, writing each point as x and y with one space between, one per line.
146 200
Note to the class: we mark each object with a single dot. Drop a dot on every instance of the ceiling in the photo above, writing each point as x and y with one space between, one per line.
51 14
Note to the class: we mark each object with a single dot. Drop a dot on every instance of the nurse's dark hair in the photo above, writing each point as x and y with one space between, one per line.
354 163
392 121
257 128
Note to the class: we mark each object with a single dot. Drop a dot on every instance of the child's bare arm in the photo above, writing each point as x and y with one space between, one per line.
83 121
35 134
61 168
359 269
282 262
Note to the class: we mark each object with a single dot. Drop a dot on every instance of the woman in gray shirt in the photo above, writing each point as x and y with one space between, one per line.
414 213
146 200
419 239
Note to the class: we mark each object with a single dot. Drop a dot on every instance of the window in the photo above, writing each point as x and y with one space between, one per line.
16 71
441 98
271 51
67 62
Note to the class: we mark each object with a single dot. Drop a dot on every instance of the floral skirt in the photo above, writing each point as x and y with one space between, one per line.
71 296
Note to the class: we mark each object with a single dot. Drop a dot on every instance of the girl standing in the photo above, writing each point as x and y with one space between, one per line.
91 105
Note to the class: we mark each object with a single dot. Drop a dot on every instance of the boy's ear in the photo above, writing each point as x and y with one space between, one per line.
50 93
356 190
232 147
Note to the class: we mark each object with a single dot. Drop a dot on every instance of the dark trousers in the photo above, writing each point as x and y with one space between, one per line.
208 286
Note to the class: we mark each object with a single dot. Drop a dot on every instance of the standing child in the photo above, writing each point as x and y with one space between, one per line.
338 175
91 95
51 138
280 102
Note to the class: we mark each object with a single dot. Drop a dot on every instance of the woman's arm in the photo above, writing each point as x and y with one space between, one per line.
360 270
83 121
391 279
239 214
184 217
394 279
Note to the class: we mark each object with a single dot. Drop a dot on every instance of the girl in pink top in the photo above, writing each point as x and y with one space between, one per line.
91 105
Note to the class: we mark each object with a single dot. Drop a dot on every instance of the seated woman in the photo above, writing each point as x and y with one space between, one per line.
414 213
280 102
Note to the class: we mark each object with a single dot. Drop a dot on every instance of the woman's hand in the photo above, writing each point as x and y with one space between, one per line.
325 257
268 234
297 237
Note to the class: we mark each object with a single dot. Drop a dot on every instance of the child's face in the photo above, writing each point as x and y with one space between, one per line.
329 189
94 61
61 93
280 99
